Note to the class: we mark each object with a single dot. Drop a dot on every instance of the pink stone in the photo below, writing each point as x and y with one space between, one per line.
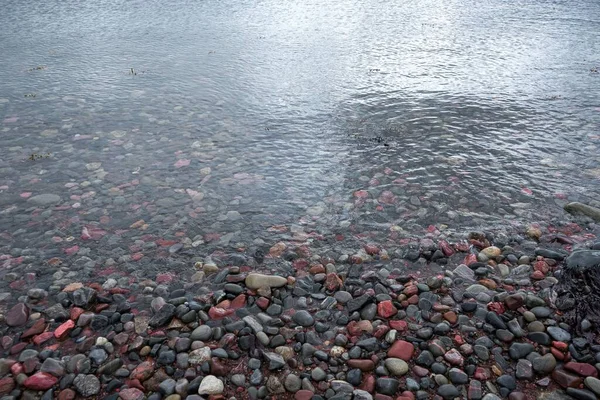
386 309
453 357
40 381
303 395
131 394
402 350
63 330
17 316
143 371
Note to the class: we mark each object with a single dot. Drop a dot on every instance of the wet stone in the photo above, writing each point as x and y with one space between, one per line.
388 386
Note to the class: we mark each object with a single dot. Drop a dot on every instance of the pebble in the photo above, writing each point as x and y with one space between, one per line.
211 385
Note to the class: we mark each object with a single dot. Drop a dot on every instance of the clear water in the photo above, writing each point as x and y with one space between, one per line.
216 122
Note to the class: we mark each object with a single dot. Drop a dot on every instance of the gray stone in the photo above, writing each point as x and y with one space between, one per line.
275 360
559 334
396 366
593 384
87 385
544 364
44 199
163 316
203 333
448 391
303 318
292 383
583 209
211 385
257 281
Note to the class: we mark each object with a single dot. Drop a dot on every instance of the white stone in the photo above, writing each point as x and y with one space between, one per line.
211 385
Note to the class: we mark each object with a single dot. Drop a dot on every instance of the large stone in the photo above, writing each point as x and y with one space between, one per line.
275 360
593 384
257 281
44 199
303 318
583 209
396 366
87 385
583 259
544 364
17 316
163 316
40 381
402 350
211 385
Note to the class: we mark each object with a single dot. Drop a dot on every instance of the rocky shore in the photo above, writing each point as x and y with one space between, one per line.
475 318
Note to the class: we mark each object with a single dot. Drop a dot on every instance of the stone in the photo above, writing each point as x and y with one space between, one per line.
559 334
163 316
131 394
203 333
199 356
458 377
402 350
275 360
44 199
396 366
303 318
292 383
211 385
87 385
256 281
593 384
388 386
274 385
524 370
40 381
17 315
544 364
565 379
583 209
448 391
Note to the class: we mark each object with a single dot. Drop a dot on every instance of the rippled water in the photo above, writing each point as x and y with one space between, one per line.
215 122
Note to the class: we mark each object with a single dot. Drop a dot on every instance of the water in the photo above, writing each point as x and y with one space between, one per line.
227 125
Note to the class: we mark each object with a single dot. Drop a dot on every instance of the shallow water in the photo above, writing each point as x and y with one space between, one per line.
217 122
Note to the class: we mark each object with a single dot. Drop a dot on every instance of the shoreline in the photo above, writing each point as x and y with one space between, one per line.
469 319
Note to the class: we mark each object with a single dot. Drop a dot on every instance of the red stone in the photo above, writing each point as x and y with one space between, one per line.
371 249
43 337
300 263
564 379
446 248
143 371
16 369
381 331
6 386
36 329
410 290
451 317
333 281
454 357
399 325
537 275
303 395
40 381
420 371
76 312
238 302
402 350
66 394
219 313
557 353
368 384
386 309
482 374
317 269
63 330
562 346
17 348
582 369
470 259
131 394
413 299
363 365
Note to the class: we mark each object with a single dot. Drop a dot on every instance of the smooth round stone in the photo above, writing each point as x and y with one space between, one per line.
318 374
396 366
593 384
541 312
448 391
559 334
544 364
292 383
303 318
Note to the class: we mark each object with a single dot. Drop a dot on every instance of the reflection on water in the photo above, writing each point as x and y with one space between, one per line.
214 121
